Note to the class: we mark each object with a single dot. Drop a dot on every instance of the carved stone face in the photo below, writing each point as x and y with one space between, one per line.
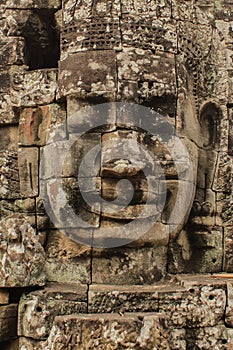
99 65
142 55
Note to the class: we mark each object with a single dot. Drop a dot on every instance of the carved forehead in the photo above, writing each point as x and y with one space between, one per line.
87 8
137 51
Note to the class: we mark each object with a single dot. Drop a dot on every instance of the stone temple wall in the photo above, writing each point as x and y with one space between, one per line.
63 65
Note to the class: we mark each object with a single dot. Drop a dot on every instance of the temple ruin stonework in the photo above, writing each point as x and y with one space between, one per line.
84 75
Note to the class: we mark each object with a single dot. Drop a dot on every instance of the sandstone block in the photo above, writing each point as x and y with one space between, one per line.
28 171
109 298
201 251
40 4
12 51
8 322
67 157
67 206
36 125
7 114
78 154
9 179
136 331
197 304
22 206
141 7
30 344
86 74
84 115
139 233
4 297
150 81
5 81
228 266
86 34
67 259
229 308
38 309
9 138
196 307
129 265
74 11
208 337
32 88
146 32
22 256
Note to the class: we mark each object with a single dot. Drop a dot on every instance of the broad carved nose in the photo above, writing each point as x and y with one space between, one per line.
120 168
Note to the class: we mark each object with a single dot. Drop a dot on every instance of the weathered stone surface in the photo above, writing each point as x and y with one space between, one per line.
88 74
223 174
140 233
23 206
84 9
11 345
37 310
41 4
37 125
203 306
140 186
198 250
32 88
68 261
136 64
141 7
12 22
85 115
8 322
7 114
12 51
136 331
145 32
150 82
178 339
209 337
4 297
30 344
218 337
22 256
78 154
229 308
97 33
228 263
173 57
9 179
66 205
9 138
5 81
70 155
106 298
28 171
129 265
193 305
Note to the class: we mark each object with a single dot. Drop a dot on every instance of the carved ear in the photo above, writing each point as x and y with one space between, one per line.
209 120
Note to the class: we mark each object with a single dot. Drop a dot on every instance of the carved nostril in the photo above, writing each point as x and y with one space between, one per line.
196 209
206 208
